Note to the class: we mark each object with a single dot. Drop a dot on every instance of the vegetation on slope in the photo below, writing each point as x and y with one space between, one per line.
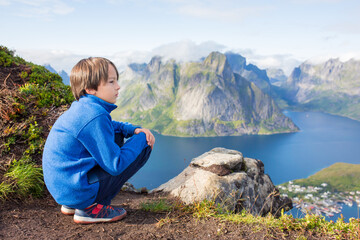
31 99
341 177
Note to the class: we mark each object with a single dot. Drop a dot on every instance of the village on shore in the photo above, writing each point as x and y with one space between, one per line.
317 199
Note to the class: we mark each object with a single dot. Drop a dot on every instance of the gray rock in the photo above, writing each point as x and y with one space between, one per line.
128 187
234 182
229 158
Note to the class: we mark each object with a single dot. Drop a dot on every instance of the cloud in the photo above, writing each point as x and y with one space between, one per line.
345 27
59 60
344 57
187 50
286 62
213 11
182 51
316 1
237 14
4 2
44 9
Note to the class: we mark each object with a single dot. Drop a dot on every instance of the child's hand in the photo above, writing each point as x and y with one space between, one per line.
150 139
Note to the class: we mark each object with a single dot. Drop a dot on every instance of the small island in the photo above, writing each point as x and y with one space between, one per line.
325 192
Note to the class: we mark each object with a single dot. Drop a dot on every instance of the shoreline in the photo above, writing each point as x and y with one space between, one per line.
317 200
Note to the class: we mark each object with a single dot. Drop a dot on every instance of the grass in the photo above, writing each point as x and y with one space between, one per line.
156 206
26 178
6 189
285 224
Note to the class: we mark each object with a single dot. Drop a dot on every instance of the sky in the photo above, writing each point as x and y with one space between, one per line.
269 33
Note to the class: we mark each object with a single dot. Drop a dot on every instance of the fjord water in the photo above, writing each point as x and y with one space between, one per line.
323 140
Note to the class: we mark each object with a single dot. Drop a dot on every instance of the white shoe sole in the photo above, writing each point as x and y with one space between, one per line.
88 220
67 211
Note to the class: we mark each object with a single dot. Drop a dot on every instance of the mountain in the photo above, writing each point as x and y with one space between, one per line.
332 87
249 71
276 76
65 77
50 68
196 99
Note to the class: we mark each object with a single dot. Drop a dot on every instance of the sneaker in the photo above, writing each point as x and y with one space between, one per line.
99 213
67 210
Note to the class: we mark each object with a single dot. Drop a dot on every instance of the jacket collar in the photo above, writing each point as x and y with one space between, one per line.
93 99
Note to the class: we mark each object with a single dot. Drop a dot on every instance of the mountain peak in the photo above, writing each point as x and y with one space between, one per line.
65 77
215 60
137 67
50 68
236 61
218 62
154 64
251 72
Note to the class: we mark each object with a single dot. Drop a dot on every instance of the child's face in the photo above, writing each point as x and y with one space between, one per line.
108 91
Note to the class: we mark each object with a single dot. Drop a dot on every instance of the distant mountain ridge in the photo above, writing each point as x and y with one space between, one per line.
276 76
197 99
65 77
332 87
249 71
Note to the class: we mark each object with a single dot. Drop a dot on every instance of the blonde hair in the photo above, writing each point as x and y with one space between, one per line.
88 73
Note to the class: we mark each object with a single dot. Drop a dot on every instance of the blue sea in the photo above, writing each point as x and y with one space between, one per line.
323 140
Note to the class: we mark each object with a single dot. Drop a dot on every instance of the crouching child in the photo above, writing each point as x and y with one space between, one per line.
85 159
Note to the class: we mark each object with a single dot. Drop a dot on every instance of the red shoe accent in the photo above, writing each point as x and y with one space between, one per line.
97 209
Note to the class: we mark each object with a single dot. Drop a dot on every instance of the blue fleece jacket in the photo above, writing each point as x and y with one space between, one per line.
81 138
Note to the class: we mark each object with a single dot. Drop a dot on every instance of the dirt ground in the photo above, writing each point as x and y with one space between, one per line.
41 219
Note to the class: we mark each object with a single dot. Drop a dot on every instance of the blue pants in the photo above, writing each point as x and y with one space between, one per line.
110 185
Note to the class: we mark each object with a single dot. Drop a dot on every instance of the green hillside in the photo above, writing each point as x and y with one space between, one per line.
31 99
339 177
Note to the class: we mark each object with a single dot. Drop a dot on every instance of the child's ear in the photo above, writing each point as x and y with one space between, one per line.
90 91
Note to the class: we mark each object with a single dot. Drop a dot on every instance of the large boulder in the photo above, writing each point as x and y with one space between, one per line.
231 180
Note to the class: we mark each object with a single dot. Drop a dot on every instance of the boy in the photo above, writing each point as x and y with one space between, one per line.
85 160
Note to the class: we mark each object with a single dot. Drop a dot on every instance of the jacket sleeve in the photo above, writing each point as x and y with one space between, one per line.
98 138
127 129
